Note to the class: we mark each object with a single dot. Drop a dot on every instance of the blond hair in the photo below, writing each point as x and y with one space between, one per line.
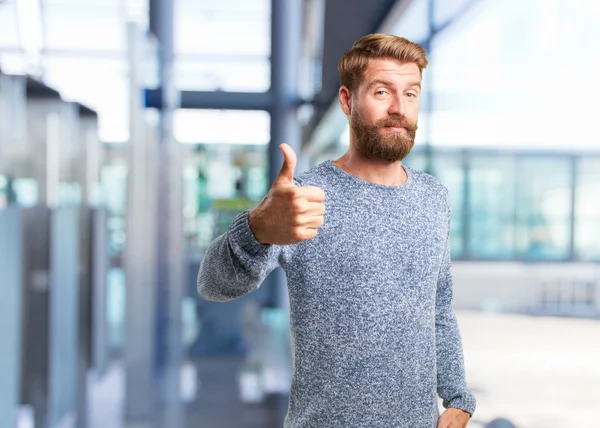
373 46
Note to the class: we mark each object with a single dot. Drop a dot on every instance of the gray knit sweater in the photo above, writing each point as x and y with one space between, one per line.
374 336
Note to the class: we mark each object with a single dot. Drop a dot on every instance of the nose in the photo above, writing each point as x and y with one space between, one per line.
397 105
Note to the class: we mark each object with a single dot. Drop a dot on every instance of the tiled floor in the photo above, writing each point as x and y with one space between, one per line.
218 403
535 372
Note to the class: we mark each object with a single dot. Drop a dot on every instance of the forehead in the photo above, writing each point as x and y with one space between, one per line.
391 69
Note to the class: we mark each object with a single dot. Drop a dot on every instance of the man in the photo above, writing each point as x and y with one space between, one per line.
364 243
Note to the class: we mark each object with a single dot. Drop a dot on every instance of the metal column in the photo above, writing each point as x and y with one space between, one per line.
170 254
286 50
11 266
139 323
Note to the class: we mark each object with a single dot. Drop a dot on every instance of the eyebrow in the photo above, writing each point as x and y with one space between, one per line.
411 84
379 82
388 83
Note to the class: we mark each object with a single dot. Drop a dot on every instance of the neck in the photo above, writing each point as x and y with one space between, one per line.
373 170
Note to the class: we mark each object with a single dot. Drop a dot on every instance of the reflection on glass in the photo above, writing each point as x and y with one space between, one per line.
415 160
212 74
587 208
447 167
491 207
26 191
224 127
3 192
220 181
543 208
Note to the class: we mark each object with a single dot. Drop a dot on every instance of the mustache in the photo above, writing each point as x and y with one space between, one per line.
397 122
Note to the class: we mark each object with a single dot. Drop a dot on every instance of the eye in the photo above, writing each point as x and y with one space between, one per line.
380 93
411 95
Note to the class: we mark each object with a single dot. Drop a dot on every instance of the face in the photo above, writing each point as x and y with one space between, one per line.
383 109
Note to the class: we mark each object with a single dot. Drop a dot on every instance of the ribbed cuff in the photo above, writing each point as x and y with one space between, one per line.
241 235
466 403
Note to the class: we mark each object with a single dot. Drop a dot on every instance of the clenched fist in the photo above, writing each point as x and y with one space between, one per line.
288 214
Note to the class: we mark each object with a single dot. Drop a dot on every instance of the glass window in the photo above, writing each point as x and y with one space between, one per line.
3 192
83 25
491 207
477 68
9 36
222 126
223 73
446 11
448 168
416 160
543 208
413 22
220 180
98 83
587 209
223 45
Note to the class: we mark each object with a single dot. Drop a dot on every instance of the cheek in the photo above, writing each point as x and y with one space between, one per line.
377 113
369 114
413 111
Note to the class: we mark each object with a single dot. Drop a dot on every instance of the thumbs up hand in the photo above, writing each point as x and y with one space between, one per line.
288 214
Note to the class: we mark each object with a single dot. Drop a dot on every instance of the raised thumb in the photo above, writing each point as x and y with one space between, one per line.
286 174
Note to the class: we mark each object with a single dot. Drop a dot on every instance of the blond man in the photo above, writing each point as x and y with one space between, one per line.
364 243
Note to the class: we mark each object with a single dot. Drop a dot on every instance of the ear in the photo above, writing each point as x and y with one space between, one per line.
345 100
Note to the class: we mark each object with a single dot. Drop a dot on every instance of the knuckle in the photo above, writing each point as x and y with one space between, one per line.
291 195
297 221
297 234
299 206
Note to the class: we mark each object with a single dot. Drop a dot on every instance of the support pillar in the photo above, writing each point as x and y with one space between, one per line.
286 51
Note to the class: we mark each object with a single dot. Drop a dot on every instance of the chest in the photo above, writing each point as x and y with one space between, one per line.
366 245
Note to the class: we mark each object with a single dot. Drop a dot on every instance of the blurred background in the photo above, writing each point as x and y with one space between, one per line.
133 131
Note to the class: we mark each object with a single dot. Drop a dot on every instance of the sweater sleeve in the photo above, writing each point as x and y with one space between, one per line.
451 382
235 263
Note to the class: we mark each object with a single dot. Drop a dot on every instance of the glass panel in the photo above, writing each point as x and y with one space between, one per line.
3 192
225 74
544 208
232 27
223 45
82 25
100 84
447 167
476 70
446 11
220 180
491 207
11 327
415 160
25 191
64 313
587 209
413 22
222 126
9 36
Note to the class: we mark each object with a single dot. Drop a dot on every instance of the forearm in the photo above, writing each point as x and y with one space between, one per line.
452 385
235 263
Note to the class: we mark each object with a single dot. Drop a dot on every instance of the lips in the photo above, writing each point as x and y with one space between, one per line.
404 124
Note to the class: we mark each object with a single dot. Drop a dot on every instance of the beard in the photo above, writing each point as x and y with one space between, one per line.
387 146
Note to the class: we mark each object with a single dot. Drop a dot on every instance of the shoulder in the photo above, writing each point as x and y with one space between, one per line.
314 176
428 183
431 190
